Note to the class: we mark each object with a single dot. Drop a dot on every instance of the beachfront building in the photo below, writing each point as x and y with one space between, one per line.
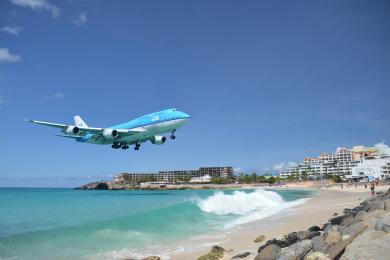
371 169
176 175
203 179
340 163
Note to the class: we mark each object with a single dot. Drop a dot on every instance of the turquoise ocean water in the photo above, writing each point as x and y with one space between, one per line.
75 224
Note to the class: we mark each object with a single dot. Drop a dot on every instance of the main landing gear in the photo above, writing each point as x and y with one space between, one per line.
173 136
137 146
117 145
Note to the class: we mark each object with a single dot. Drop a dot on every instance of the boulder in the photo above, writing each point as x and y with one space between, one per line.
242 255
259 239
152 258
296 251
354 229
314 228
316 256
270 252
335 214
216 253
346 210
387 205
319 244
347 221
372 244
386 228
333 238
337 220
384 220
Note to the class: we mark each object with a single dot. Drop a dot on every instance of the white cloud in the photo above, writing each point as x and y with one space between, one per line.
80 19
6 56
55 95
383 148
278 166
38 5
238 170
14 30
283 165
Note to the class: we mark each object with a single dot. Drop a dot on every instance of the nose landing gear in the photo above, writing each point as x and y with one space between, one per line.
137 146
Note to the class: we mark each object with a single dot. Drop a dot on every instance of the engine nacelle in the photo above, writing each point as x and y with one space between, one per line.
158 139
110 133
72 130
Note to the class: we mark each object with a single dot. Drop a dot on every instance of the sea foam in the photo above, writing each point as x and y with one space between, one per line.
248 206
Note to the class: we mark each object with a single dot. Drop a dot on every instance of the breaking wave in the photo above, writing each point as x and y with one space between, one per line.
249 206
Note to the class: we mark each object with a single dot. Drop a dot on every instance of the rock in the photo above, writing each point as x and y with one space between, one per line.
331 228
218 250
319 244
387 205
292 238
242 255
152 258
386 228
216 253
296 251
317 256
384 220
324 226
333 238
335 214
336 220
346 210
314 228
354 229
270 252
347 221
372 244
259 239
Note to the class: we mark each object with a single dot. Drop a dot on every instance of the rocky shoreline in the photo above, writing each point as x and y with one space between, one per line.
111 185
360 233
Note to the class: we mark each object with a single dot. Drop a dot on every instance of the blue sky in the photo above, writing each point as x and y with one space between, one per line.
265 82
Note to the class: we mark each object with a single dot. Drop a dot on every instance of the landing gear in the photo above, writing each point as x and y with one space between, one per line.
137 146
116 145
125 147
173 134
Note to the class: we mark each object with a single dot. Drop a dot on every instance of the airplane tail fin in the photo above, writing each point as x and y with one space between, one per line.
79 122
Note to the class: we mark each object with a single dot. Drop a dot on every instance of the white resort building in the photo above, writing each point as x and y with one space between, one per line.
355 163
203 179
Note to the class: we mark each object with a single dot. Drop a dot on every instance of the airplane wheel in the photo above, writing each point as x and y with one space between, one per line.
136 148
173 137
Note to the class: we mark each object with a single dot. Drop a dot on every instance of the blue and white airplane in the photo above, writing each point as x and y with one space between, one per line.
146 128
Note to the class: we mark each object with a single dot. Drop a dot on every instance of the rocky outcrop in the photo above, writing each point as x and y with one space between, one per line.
360 233
216 253
259 239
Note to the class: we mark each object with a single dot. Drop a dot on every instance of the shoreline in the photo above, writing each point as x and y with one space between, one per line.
316 211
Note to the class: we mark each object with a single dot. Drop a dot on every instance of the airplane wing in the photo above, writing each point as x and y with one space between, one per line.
48 124
91 130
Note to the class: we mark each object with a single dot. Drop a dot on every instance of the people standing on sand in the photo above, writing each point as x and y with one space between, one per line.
372 188
341 186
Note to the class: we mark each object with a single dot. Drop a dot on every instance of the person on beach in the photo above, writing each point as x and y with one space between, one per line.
372 188
341 186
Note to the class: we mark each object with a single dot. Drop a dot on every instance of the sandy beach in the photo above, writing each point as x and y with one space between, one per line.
315 211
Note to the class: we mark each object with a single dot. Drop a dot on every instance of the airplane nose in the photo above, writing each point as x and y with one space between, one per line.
186 115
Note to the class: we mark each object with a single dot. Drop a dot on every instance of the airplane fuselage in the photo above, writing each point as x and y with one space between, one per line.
155 124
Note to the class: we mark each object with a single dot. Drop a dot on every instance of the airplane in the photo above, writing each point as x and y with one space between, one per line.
146 128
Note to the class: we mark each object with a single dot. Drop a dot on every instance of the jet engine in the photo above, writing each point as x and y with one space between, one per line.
72 130
158 139
110 133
